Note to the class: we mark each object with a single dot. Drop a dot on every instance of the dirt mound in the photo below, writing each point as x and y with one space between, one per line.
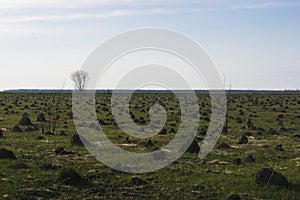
62 133
41 118
40 137
49 133
61 151
70 177
149 143
249 158
19 165
237 161
137 181
194 147
17 129
25 121
279 147
267 176
29 129
78 140
234 197
163 131
243 140
223 145
6 154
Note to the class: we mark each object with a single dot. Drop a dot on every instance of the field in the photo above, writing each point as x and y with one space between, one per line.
263 131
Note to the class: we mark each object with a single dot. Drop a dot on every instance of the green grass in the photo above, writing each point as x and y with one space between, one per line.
214 177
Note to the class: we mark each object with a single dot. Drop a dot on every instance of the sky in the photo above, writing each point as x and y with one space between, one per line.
254 44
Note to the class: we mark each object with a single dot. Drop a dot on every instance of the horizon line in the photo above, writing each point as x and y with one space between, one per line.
152 90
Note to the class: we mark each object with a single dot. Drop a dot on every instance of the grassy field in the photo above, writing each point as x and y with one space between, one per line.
265 119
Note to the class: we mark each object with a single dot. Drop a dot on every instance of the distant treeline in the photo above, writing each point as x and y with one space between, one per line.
147 91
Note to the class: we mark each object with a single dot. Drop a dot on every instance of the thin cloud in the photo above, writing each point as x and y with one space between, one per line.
21 4
153 8
90 16
260 5
72 16
17 4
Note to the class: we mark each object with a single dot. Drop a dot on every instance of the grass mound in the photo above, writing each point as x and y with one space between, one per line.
268 176
71 177
6 154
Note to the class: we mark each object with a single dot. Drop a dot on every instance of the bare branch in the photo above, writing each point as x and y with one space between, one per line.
80 79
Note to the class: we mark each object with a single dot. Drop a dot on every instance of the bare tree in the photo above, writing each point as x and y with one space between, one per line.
80 79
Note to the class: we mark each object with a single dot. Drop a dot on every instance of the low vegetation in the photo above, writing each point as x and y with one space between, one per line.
257 156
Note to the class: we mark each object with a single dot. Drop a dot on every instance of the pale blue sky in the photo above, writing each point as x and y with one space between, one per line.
255 43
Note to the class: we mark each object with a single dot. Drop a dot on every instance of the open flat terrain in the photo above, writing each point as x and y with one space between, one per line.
263 131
